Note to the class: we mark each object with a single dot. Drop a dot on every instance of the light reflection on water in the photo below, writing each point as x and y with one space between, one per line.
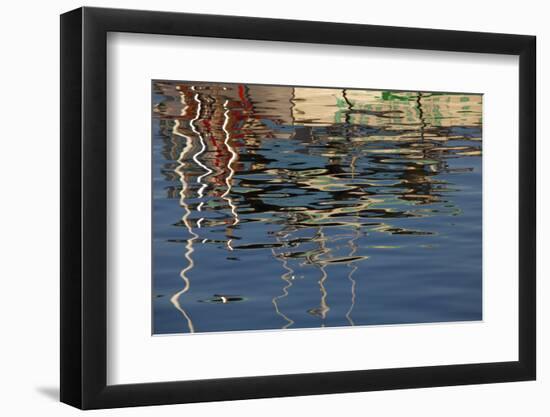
292 207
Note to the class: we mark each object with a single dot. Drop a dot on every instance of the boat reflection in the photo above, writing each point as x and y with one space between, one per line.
301 174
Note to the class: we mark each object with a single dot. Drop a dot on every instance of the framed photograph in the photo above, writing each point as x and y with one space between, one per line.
256 208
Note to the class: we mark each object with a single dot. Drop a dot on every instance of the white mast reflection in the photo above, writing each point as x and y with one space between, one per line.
228 180
185 218
196 156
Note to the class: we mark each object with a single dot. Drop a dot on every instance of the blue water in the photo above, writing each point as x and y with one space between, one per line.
282 207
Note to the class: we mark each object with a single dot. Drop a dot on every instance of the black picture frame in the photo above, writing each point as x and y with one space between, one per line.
84 207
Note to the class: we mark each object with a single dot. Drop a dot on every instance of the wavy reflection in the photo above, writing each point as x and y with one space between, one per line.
287 277
304 185
226 195
185 218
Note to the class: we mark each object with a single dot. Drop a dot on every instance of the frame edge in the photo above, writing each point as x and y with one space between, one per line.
71 192
527 136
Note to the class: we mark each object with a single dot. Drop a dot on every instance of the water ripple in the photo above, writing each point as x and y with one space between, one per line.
303 179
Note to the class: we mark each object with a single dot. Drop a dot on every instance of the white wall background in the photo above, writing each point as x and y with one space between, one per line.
29 220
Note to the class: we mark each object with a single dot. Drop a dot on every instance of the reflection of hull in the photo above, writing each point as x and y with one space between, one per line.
273 104
317 106
326 106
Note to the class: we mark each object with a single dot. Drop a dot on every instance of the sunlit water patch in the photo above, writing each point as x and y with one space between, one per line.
292 207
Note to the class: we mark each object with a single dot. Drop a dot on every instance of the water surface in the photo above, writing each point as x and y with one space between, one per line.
281 207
